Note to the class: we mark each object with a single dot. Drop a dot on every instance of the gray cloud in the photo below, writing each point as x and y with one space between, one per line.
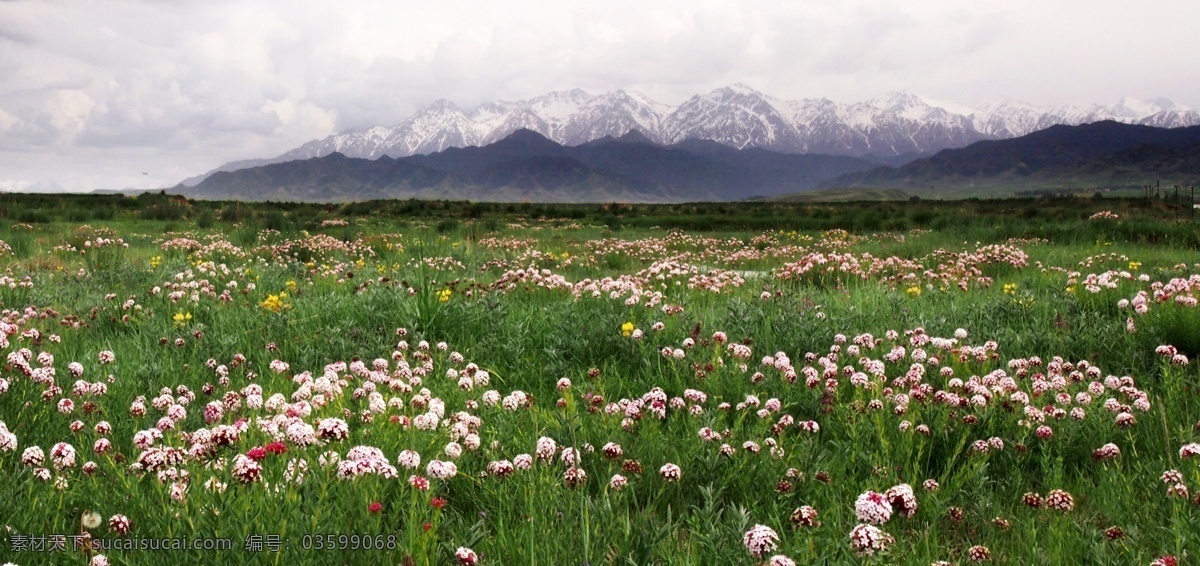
92 95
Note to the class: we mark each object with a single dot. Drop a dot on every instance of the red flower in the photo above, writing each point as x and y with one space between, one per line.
438 502
375 507
276 448
427 526
257 453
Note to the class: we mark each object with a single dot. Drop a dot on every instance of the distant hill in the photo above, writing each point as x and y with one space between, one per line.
1101 155
843 195
526 166
129 192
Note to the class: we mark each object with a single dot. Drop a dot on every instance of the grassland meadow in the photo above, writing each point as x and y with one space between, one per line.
219 383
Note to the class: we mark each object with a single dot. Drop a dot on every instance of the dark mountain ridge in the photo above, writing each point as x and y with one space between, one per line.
527 165
1102 153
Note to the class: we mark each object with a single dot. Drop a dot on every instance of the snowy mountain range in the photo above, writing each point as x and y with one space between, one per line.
890 126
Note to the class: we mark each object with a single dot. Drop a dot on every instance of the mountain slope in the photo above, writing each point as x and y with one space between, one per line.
1103 153
332 177
526 165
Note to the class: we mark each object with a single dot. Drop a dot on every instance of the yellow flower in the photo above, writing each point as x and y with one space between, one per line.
291 286
274 303
1134 265
1010 288
914 291
444 295
1070 288
627 329
566 255
155 261
182 318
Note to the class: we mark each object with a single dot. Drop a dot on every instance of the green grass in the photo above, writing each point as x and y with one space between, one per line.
342 290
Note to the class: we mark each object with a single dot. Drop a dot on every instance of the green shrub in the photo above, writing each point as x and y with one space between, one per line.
234 212
1178 326
33 217
275 220
205 219
166 210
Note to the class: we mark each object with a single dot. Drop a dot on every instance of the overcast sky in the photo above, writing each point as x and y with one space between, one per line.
95 93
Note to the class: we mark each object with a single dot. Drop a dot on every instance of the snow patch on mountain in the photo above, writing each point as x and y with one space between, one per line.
896 123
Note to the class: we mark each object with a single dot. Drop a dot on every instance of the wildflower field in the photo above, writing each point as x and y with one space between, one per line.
902 383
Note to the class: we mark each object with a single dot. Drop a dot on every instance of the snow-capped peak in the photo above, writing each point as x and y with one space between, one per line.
557 107
949 106
440 106
1129 107
737 115
740 88
897 99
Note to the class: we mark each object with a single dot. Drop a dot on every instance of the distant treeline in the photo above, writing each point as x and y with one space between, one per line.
1057 217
